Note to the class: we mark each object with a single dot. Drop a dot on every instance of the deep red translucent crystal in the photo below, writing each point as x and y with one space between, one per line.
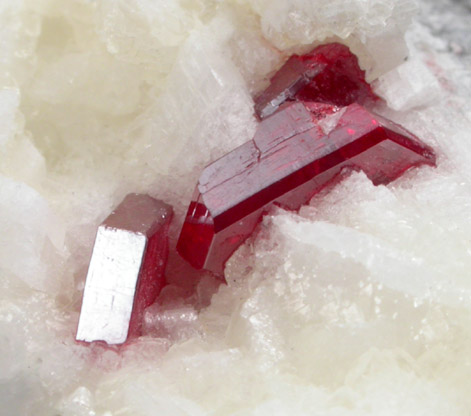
329 74
294 154
126 271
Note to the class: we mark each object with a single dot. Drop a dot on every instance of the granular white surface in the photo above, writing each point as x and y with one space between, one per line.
360 304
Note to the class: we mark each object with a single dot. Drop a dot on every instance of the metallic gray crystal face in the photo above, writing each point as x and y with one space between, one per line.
140 214
111 284
126 269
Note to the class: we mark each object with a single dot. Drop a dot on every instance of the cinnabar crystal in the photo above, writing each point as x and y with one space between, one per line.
126 271
328 74
294 153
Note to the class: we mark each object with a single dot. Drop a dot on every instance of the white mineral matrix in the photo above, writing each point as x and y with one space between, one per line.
358 305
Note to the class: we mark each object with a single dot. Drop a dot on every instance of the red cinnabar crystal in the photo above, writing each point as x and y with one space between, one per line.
294 153
126 271
329 74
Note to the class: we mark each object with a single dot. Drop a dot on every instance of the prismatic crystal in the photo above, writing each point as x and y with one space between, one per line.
294 153
126 271
328 74
313 125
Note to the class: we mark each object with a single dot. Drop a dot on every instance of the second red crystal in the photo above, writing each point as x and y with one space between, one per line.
329 73
126 271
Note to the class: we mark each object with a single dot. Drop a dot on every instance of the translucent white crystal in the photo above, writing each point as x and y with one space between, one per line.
408 86
29 231
9 101
144 32
207 92
366 26
79 403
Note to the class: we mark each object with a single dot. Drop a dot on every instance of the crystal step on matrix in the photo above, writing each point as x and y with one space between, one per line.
126 271
329 73
294 154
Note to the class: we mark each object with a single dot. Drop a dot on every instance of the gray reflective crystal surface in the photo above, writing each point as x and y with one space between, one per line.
116 266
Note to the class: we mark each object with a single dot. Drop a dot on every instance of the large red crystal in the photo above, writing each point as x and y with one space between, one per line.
329 74
294 153
126 271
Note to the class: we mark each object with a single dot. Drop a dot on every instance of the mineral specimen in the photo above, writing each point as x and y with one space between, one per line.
294 153
126 270
329 74
359 305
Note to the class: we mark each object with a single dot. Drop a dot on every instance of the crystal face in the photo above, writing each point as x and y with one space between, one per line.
294 154
329 73
126 271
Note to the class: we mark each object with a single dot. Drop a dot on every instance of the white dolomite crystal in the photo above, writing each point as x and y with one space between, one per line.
417 84
9 101
358 305
30 231
366 26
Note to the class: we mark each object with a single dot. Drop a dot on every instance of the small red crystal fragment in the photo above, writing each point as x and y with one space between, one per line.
126 271
294 154
329 74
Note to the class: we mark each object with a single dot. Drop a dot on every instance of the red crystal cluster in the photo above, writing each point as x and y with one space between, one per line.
314 124
317 129
328 74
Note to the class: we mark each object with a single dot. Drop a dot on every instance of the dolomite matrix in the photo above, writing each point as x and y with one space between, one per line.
126 271
359 304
